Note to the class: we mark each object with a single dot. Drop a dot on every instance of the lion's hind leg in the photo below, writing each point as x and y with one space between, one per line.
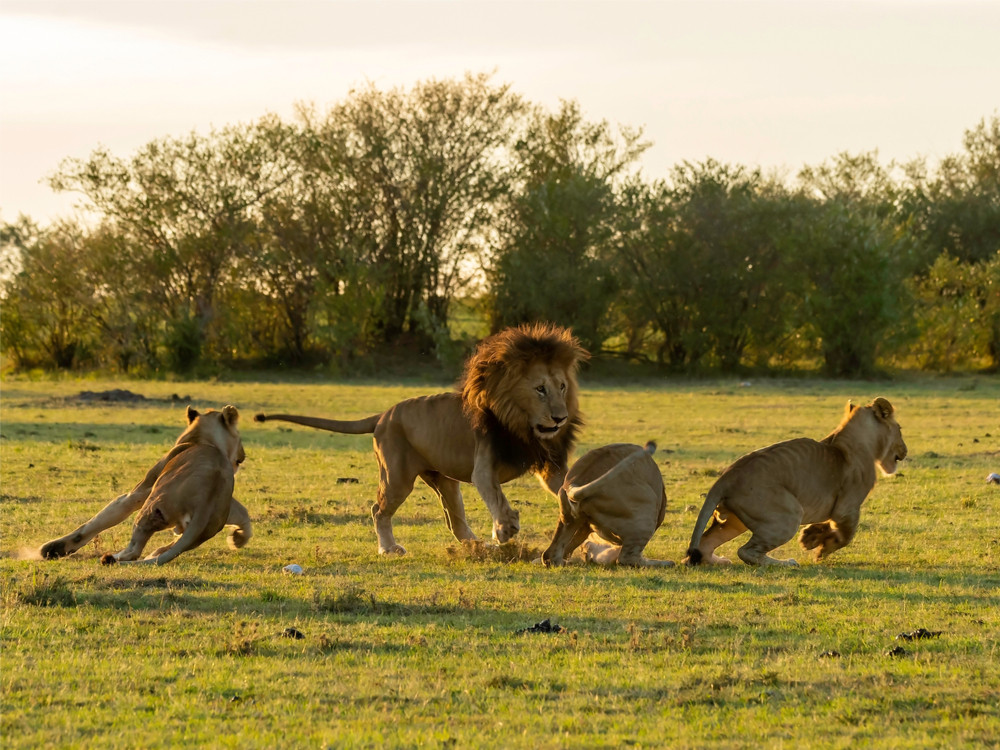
631 554
776 532
725 526
600 551
394 486
147 524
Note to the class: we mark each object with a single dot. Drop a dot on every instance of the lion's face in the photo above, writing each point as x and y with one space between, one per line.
539 402
542 395
525 377
895 448
216 428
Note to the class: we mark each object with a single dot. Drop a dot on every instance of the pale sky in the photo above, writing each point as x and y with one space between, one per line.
770 83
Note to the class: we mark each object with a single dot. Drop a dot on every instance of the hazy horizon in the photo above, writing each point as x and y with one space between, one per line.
771 83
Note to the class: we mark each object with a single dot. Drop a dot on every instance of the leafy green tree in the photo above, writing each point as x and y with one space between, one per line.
956 211
418 175
184 209
705 262
958 311
656 304
957 206
856 252
556 232
47 298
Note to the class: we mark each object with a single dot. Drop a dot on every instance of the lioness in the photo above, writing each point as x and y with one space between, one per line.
774 490
190 489
515 411
615 495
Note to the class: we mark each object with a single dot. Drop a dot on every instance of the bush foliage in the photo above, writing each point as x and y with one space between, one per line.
325 239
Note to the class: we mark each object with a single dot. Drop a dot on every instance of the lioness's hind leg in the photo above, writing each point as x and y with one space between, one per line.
754 552
147 524
723 528
450 493
240 518
140 537
631 554
598 551
159 551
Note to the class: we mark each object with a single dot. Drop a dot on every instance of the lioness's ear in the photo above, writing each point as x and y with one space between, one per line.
230 414
882 407
192 414
850 407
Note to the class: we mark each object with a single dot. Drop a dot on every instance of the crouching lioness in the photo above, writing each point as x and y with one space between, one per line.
775 490
614 495
190 490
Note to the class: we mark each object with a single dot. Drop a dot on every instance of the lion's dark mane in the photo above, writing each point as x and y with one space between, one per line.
489 376
513 452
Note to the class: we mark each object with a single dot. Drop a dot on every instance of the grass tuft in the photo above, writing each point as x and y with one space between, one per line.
38 591
478 550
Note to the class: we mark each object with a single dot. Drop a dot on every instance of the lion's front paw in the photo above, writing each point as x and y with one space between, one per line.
395 549
816 534
53 550
504 531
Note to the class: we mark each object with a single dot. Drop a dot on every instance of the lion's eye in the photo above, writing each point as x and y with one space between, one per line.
562 387
541 390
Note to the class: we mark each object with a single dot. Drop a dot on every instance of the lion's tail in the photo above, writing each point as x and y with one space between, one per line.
711 503
355 427
581 493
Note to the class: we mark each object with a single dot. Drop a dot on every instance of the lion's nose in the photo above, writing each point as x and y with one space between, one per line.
558 420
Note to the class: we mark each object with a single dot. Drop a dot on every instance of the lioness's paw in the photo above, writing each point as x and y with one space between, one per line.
396 549
53 550
816 534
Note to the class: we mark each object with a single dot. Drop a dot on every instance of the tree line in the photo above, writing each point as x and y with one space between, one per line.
382 221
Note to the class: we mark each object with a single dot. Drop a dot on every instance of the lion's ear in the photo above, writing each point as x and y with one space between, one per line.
883 409
849 407
230 414
192 414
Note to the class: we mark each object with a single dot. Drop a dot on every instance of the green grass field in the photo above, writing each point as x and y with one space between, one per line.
425 650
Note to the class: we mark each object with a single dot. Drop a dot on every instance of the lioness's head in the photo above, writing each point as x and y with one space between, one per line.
216 428
887 437
526 378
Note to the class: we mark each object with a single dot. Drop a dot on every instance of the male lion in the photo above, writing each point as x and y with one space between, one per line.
616 492
190 488
515 411
774 490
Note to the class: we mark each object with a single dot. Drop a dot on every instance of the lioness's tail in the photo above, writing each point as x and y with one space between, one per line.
711 503
355 427
578 494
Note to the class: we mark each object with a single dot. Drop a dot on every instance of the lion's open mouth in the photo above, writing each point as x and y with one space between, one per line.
541 430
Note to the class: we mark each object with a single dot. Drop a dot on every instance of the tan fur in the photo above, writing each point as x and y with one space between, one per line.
775 490
516 411
190 489
614 495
